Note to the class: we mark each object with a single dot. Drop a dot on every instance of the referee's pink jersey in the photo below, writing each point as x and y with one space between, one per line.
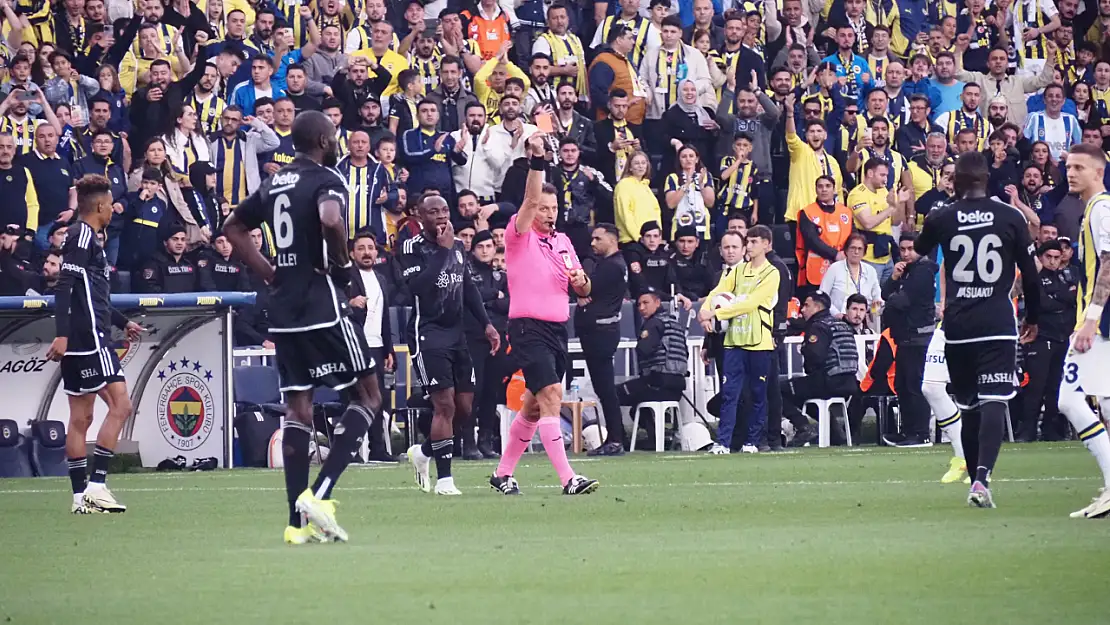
537 268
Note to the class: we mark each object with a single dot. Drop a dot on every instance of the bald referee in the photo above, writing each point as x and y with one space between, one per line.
540 264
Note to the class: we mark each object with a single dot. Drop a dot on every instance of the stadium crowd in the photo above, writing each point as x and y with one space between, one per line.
698 133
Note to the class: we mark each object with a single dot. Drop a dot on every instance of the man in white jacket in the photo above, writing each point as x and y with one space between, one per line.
671 63
480 172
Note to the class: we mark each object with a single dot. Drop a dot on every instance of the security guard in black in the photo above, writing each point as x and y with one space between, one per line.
169 271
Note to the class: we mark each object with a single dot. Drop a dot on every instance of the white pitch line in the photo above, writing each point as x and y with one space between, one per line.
40 491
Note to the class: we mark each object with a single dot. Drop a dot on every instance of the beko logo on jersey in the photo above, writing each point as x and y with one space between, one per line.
448 279
285 178
975 217
29 365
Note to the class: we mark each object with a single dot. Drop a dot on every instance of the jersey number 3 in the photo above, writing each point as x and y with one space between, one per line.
283 222
988 261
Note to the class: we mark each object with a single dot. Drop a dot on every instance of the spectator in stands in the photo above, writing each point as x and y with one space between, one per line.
489 369
910 293
581 190
169 270
648 262
573 125
689 192
911 136
1044 357
452 98
506 141
661 358
634 203
610 72
1014 88
200 196
369 300
16 183
428 154
100 117
877 210
757 117
53 180
51 271
155 156
16 275
850 275
235 154
808 161
185 144
144 212
151 109
19 78
830 361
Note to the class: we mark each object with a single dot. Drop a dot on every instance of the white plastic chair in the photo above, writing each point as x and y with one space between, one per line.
659 410
824 418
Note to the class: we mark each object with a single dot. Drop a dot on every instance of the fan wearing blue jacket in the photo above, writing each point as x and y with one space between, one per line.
849 65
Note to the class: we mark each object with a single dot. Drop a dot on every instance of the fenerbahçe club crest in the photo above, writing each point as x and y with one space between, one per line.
186 412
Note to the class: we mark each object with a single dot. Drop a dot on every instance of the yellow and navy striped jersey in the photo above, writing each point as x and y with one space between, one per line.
895 161
640 26
23 132
1094 241
668 65
208 112
359 203
231 179
735 193
428 69
1027 18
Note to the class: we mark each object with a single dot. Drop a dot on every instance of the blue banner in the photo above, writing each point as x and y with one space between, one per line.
132 301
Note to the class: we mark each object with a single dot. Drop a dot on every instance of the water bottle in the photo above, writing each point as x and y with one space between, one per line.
574 391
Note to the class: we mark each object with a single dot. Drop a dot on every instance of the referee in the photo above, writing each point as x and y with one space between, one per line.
597 321
541 265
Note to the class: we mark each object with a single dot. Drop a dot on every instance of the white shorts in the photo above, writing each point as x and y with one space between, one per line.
936 365
1086 372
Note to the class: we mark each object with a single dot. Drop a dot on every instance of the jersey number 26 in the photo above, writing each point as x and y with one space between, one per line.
988 261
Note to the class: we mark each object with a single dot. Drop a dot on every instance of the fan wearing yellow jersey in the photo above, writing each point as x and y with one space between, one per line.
1085 365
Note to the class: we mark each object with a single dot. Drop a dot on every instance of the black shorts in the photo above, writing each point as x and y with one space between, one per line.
88 373
439 368
539 349
983 371
335 357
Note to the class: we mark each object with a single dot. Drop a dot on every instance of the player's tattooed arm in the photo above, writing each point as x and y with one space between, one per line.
1102 281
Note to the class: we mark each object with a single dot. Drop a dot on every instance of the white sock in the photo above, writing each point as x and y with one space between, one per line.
943 407
446 481
1091 431
78 498
95 486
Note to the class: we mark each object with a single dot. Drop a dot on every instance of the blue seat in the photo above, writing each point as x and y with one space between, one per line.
124 278
47 446
14 460
257 388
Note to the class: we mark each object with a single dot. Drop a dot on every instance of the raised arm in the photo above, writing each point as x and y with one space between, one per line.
533 188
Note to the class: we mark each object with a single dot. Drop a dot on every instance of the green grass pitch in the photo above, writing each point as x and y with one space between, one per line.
860 536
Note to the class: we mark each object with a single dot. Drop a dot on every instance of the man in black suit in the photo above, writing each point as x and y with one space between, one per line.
369 301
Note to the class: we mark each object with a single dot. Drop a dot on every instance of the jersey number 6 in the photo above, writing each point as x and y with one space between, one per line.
283 222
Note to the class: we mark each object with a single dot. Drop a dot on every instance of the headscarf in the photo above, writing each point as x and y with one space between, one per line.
694 111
